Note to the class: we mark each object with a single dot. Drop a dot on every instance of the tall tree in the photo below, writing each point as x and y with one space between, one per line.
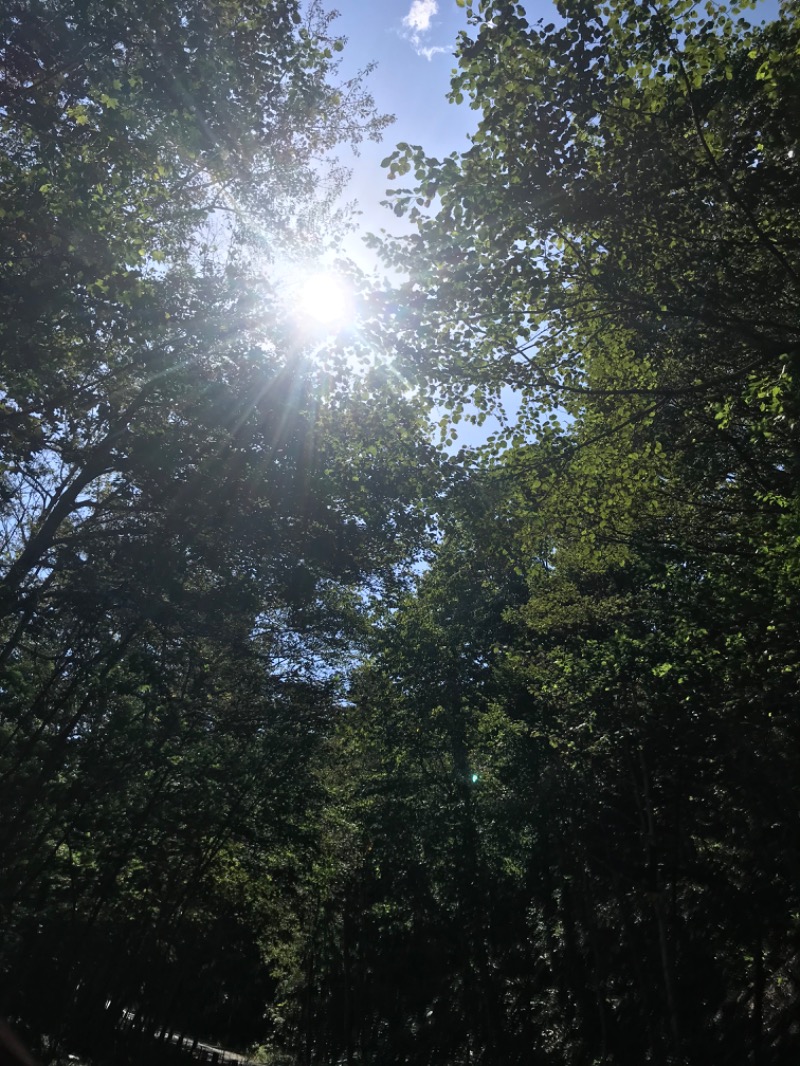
618 250
193 503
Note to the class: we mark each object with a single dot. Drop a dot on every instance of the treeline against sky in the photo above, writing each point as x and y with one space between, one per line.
264 779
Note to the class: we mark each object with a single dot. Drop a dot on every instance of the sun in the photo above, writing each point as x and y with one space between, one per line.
324 299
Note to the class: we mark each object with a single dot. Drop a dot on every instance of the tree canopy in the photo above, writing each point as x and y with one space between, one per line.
193 504
320 737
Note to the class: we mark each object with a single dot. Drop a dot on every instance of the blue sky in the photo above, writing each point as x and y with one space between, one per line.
412 42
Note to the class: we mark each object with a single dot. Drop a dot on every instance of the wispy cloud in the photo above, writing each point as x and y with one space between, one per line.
418 23
434 50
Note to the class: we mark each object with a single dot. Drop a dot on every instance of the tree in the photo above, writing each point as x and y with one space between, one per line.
619 248
122 375
608 245
193 501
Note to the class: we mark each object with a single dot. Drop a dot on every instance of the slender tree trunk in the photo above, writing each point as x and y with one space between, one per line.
658 904
758 997
591 928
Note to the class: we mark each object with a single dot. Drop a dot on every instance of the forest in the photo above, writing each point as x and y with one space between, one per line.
324 736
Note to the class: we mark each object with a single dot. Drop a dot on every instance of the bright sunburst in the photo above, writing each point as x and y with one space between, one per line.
324 299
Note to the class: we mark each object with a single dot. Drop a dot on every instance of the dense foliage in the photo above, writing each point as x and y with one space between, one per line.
550 817
586 720
193 503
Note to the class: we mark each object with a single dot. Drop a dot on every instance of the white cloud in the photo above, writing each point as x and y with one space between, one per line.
418 23
418 19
